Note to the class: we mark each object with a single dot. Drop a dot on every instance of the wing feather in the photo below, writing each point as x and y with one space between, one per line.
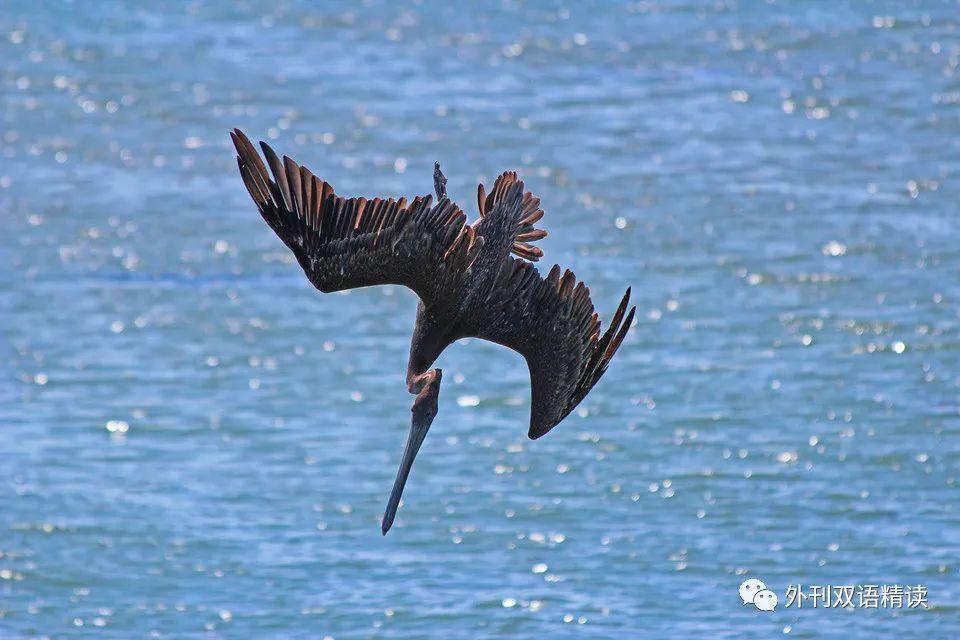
530 210
552 323
345 243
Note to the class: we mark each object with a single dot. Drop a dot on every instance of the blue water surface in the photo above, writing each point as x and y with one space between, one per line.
194 443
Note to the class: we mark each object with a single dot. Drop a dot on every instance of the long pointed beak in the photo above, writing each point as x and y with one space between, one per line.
415 438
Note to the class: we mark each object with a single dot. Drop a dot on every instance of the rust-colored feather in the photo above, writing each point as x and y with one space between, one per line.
279 175
566 285
533 217
252 188
306 193
532 236
293 181
481 200
248 154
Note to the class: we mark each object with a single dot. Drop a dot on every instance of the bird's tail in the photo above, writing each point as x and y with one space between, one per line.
522 217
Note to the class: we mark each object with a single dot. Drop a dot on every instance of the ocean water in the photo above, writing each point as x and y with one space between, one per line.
196 444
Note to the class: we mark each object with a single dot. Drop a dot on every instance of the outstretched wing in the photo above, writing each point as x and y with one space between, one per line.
551 322
530 206
346 243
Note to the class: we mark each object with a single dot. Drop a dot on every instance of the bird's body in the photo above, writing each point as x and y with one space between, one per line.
468 283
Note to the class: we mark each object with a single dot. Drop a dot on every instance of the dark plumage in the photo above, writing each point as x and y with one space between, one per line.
468 283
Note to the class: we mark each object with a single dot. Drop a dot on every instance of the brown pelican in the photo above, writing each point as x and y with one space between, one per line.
468 284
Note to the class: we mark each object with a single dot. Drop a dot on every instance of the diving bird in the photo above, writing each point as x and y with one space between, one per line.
468 282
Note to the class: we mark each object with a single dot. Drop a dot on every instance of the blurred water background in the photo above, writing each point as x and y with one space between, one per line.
196 444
